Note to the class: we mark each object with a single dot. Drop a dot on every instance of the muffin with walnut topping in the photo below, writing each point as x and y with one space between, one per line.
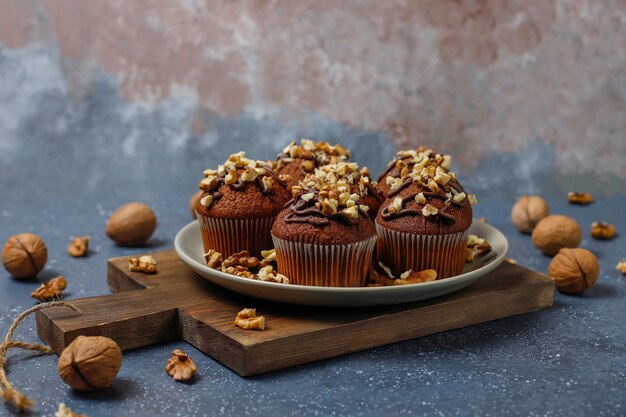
424 222
403 164
324 237
239 204
296 161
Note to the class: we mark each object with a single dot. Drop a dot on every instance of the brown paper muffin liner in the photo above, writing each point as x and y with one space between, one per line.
402 251
229 236
325 265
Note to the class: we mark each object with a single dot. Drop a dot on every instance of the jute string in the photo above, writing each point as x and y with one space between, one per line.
8 392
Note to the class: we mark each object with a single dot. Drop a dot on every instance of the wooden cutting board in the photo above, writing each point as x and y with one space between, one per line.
178 304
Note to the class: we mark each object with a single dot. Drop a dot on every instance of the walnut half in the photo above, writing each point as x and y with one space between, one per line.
476 246
79 246
50 290
248 320
180 366
146 264
579 198
602 230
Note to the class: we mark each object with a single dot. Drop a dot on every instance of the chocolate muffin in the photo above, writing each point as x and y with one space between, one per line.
298 160
359 181
424 221
324 237
402 165
239 204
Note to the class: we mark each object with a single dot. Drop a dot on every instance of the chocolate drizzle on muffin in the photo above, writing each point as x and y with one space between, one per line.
431 177
332 193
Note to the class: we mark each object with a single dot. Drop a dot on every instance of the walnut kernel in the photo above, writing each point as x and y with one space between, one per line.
79 246
574 270
476 246
146 264
50 290
555 232
528 211
213 259
602 230
381 276
248 320
621 266
180 366
64 411
24 255
579 198
90 363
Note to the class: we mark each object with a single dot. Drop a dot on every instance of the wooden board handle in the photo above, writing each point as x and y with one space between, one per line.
133 319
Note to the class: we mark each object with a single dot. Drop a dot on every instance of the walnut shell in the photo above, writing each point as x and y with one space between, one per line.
90 363
528 211
574 270
131 224
24 255
555 232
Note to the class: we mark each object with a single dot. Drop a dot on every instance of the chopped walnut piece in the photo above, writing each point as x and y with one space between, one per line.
429 210
213 259
268 256
602 230
284 177
420 198
476 246
395 206
238 270
248 320
242 258
579 198
268 274
268 182
206 201
621 266
50 290
381 276
64 411
180 366
146 264
79 246
415 277
308 166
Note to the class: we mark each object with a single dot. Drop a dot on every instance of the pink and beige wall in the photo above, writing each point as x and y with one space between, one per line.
478 77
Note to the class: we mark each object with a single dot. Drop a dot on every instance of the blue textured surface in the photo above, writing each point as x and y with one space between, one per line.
569 360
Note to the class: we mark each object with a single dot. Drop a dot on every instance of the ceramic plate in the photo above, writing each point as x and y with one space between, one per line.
189 248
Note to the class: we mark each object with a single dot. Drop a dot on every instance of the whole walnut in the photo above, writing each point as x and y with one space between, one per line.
555 232
90 363
574 270
24 255
528 211
131 224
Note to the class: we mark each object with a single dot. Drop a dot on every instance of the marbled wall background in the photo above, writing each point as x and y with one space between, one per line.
516 86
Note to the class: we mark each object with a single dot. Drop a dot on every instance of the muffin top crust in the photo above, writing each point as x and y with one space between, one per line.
300 160
242 188
327 207
421 185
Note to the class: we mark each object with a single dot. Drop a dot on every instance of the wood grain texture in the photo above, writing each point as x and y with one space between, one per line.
176 303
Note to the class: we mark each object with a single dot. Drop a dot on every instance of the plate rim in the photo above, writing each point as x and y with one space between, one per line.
187 259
